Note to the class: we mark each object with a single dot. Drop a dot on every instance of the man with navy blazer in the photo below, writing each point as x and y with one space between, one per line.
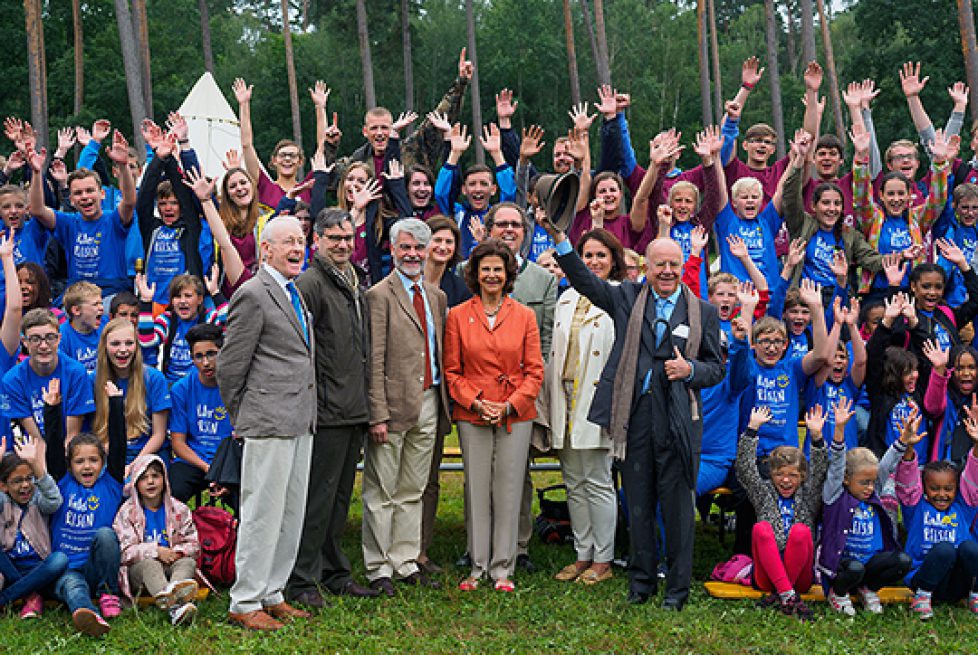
266 373
648 399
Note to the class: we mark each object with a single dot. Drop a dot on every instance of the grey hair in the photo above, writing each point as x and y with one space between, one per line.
413 226
274 226
331 217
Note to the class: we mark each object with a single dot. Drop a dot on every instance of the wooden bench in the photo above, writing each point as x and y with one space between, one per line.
732 590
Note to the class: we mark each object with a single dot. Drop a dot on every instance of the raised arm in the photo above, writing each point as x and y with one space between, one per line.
811 295
750 74
242 92
661 149
204 190
36 205
119 154
10 328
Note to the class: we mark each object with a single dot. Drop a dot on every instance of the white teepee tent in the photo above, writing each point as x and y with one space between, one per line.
213 124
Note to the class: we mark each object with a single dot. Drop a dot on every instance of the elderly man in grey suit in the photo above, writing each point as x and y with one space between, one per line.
266 374
537 289
408 408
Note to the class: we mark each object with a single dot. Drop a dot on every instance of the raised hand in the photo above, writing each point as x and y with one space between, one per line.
796 252
478 229
579 116
751 72
318 163
232 159
810 294
51 394
733 110
119 151
748 297
111 390
815 419
36 159
893 307
460 138
813 76
319 93
852 95
939 147
959 94
83 135
440 122
759 415
145 290
405 119
177 124
951 252
937 357
491 139
101 129
606 104
200 184
664 215
677 368
166 145
12 128
910 80
465 67
59 172
869 93
15 162
801 144
332 134
843 410
839 265
505 105
894 268
395 170
738 328
151 132
910 433
366 195
852 317
577 144
596 207
213 280
242 91
531 144
622 101
909 311
6 245
297 190
737 246
66 139
861 140
698 239
665 146
32 451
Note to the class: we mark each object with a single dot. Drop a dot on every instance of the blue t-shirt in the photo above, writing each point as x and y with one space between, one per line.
540 242
164 261
96 250
927 526
966 239
826 396
787 508
894 237
181 362
865 537
198 412
901 411
819 255
682 233
941 335
758 235
157 400
83 348
779 388
156 526
23 389
83 511
23 554
798 344
31 242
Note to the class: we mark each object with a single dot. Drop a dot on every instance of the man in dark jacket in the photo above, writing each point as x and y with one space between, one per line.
332 291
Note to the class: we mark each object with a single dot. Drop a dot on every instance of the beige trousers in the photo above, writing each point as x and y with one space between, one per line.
153 575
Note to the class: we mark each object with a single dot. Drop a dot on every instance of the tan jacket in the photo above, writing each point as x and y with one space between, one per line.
397 345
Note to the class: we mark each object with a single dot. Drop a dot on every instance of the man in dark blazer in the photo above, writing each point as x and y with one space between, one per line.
408 409
648 399
267 379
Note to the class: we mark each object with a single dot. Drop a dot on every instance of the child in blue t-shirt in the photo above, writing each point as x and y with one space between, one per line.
147 396
199 420
79 336
82 527
30 237
938 512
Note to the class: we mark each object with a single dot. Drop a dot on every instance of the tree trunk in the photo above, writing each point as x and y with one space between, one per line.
36 74
715 56
591 38
131 63
575 79
966 21
205 35
406 47
290 70
79 35
604 67
808 50
704 62
141 28
790 43
840 126
480 155
305 15
369 94
771 33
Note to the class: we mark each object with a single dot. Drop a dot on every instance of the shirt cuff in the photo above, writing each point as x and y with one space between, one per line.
563 248
692 372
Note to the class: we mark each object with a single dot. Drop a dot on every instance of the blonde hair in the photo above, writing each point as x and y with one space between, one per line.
137 423
788 456
900 143
746 184
767 324
76 294
683 185
860 458
720 278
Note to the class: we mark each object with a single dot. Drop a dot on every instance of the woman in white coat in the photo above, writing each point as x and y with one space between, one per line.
582 339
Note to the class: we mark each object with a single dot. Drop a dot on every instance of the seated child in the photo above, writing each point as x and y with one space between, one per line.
859 548
158 541
787 508
28 496
938 513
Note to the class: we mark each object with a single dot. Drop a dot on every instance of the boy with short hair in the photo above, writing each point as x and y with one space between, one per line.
24 384
80 335
30 237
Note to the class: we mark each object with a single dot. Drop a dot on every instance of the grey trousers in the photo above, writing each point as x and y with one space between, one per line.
153 575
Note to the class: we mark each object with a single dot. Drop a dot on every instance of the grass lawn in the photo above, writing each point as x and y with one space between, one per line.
543 616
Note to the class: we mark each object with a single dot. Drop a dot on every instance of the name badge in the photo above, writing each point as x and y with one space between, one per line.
681 331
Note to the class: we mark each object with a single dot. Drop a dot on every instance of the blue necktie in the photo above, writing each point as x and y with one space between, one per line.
662 306
297 306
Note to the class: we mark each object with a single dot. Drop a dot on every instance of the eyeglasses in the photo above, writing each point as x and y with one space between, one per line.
336 238
210 354
508 225
16 482
49 339
289 155
967 209
907 157
770 343
767 142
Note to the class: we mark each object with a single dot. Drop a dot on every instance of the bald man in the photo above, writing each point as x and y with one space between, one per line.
667 348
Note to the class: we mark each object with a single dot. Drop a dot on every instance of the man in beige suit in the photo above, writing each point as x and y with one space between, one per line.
266 373
408 405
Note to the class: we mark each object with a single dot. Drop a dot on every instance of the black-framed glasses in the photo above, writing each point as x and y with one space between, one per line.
49 339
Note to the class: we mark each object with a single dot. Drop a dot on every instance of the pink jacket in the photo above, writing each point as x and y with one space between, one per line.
910 489
130 525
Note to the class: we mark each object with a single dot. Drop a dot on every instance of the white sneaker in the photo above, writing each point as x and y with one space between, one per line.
176 593
183 614
870 600
841 604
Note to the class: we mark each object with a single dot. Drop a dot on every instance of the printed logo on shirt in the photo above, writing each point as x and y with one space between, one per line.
85 252
940 528
900 239
783 380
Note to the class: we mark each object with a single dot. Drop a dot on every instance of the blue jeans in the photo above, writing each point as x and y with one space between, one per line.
19 582
947 571
99 575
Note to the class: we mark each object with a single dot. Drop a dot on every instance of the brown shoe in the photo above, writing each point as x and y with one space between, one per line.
283 611
257 620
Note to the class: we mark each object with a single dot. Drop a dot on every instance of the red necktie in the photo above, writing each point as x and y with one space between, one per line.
419 309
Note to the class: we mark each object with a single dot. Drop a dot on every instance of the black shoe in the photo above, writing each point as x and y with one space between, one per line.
637 597
430 567
383 586
311 598
464 562
524 562
420 579
352 588
672 605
